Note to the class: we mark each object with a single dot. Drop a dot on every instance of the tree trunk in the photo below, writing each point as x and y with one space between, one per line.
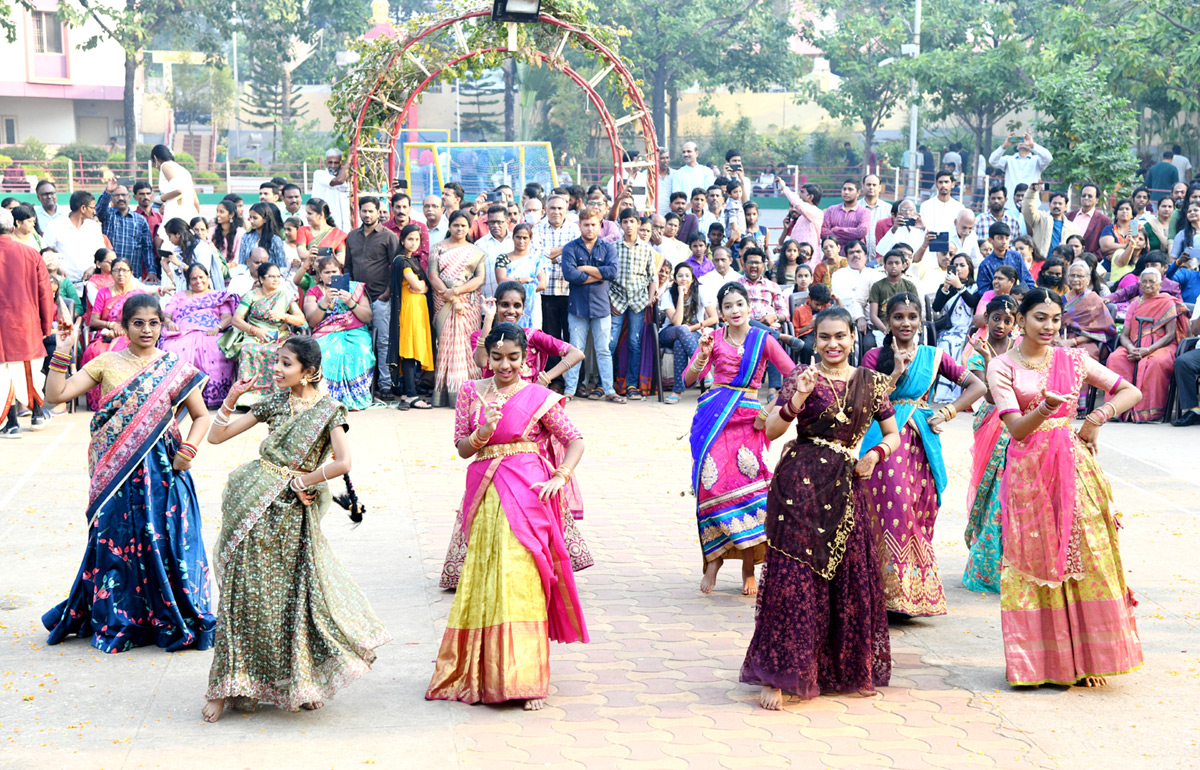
510 132
130 115
285 110
657 102
673 120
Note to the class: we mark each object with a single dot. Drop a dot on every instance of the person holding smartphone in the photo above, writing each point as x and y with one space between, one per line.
338 312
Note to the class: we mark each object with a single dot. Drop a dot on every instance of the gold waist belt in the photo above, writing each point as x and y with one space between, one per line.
842 448
751 391
279 470
1053 423
920 403
492 451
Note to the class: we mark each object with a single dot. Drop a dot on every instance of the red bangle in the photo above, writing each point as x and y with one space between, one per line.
879 449
787 413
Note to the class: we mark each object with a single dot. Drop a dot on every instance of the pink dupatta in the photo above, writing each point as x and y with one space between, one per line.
1038 490
537 525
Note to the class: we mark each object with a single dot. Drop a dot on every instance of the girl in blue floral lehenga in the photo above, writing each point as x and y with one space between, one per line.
144 577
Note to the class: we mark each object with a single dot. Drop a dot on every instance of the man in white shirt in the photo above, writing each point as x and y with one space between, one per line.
435 221
498 241
76 237
852 285
940 210
330 185
879 209
663 240
964 238
1026 166
242 278
1181 162
952 159
691 174
47 209
913 235
721 274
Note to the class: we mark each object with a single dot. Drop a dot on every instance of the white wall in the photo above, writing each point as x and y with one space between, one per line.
50 120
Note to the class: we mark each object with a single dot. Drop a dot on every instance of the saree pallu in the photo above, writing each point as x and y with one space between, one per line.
1163 316
453 324
517 590
1087 316
295 627
647 362
347 352
730 475
905 491
983 536
144 578
255 357
525 272
108 307
820 620
195 317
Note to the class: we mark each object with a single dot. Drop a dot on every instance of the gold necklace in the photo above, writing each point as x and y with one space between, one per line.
1026 363
299 404
838 400
741 346
500 398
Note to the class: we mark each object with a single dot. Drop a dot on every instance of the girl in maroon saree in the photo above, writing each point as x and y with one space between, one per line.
821 620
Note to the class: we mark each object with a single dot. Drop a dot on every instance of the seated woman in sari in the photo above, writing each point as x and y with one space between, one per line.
101 278
517 590
1154 326
905 491
144 578
104 319
988 449
456 272
820 624
198 317
339 320
530 270
1128 288
507 309
1087 323
259 325
1065 609
730 475
295 628
326 240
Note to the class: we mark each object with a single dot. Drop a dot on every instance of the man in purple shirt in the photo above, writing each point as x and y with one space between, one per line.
848 221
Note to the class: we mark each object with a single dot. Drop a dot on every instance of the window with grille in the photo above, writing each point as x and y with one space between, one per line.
48 36
8 130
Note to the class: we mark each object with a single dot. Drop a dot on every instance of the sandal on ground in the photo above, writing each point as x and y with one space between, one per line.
595 395
671 398
420 403
615 398
633 394
403 404
569 398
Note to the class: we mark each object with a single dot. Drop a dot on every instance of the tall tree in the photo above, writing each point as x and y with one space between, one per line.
862 36
133 24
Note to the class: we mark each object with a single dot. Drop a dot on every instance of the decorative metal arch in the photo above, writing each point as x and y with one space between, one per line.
373 157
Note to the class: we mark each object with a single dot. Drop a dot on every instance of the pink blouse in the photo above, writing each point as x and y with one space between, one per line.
1017 389
726 360
469 409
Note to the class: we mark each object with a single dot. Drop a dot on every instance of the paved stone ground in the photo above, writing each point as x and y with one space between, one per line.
657 688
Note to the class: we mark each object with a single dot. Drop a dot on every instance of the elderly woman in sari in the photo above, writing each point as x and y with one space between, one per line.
1087 323
1129 288
198 316
456 270
1155 323
339 319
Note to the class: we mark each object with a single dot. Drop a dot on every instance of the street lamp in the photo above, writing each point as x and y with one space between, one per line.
520 11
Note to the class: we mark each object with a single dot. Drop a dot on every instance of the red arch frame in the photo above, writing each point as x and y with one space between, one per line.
610 127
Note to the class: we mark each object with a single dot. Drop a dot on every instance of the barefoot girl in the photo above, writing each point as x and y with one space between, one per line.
143 516
1065 609
295 628
729 471
987 456
821 625
508 307
517 591
905 491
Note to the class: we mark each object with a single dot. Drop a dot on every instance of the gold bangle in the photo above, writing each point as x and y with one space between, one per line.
563 471
476 440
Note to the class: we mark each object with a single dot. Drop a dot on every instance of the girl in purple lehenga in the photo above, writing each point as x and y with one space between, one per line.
821 624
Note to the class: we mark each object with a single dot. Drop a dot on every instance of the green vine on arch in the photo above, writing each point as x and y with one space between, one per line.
383 61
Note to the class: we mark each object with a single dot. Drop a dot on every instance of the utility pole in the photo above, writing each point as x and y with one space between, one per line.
237 90
914 50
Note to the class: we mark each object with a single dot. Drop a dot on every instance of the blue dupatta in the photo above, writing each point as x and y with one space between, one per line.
717 406
910 398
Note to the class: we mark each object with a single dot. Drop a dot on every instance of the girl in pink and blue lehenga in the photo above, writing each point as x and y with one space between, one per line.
144 577
730 475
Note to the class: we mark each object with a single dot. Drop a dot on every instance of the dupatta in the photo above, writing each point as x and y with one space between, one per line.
1038 491
131 420
537 525
912 406
717 406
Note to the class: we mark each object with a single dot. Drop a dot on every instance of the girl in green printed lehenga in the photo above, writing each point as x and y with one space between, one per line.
294 627
258 328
